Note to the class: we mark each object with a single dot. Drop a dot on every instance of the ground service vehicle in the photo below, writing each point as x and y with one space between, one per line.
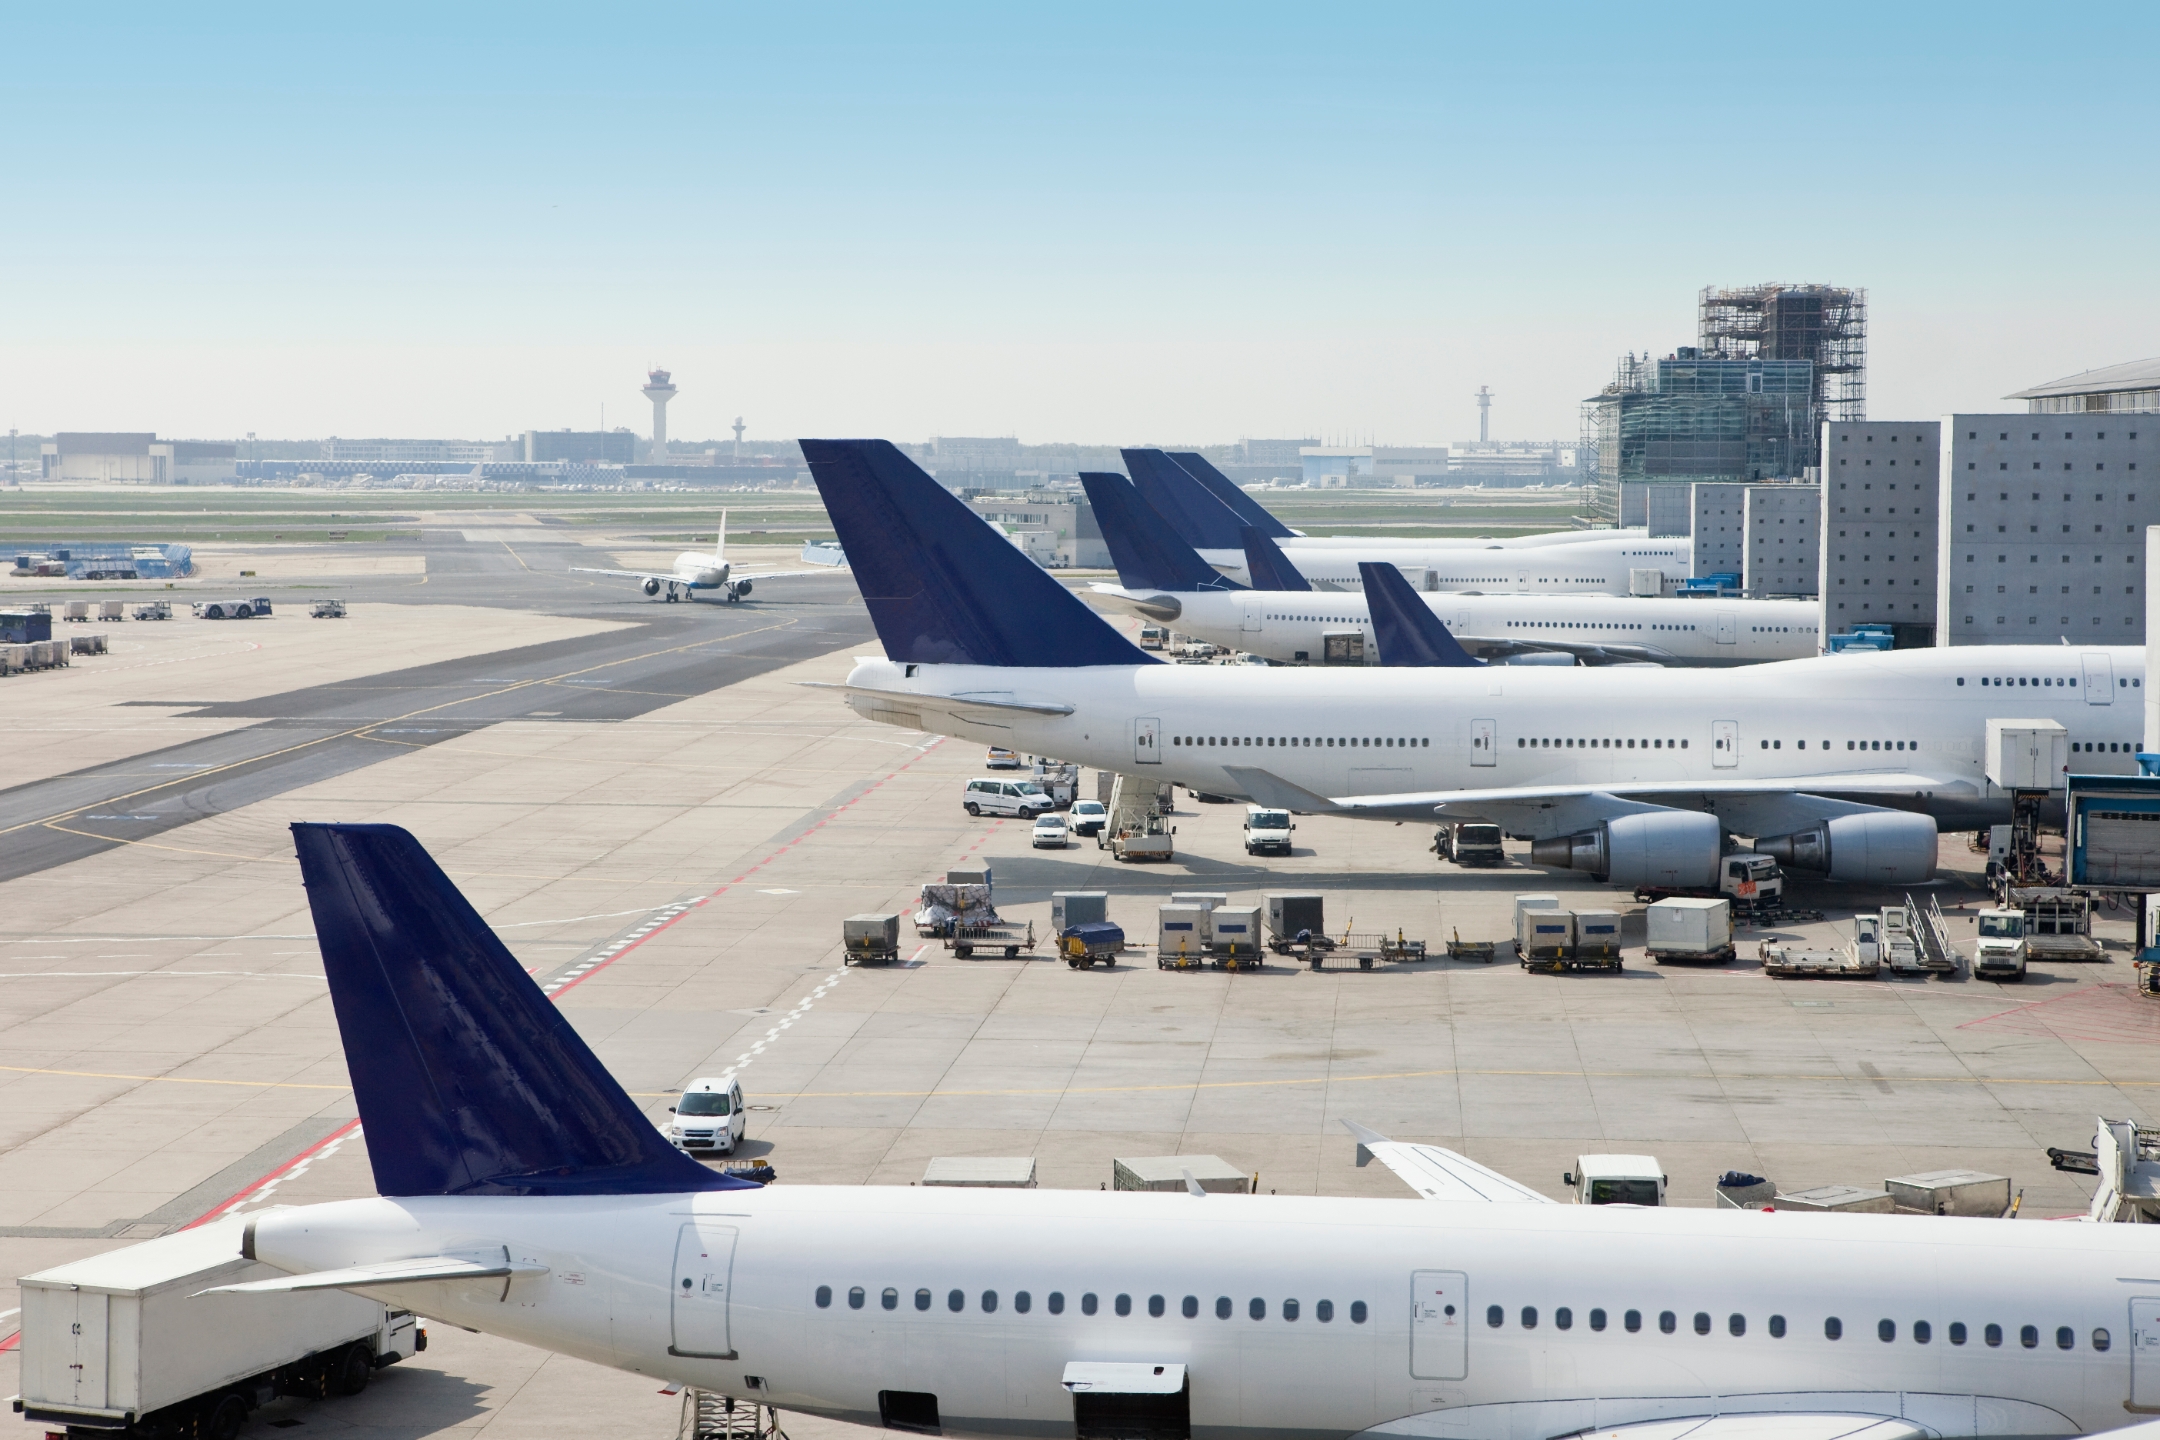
1470 844
1005 797
1267 832
1050 832
1617 1180
709 1117
1000 758
2000 953
1090 943
126 1341
1088 817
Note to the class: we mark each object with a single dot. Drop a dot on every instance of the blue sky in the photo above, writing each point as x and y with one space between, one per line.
1104 223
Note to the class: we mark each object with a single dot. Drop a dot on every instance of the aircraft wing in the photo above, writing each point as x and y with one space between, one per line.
388 1272
665 577
1264 788
1590 653
1441 1174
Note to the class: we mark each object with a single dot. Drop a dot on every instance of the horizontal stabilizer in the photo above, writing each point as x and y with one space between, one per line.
389 1272
1404 626
1772 1426
1223 488
995 707
941 585
1265 564
1441 1174
1148 553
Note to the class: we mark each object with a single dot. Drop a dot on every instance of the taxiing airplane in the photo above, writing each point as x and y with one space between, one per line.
1838 764
522 1194
695 571
1285 619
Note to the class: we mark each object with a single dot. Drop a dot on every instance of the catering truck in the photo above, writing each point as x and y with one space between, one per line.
128 1342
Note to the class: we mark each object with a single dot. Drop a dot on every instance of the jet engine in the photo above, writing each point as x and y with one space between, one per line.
1888 847
1673 849
650 586
739 589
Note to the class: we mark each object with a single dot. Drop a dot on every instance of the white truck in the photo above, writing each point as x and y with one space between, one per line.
2000 951
127 1341
1749 880
1616 1180
1267 832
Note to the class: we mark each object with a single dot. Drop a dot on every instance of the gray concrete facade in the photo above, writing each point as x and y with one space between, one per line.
1879 550
1781 551
2042 530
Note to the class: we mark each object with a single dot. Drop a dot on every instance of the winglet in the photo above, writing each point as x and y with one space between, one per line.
1148 553
1407 630
1223 488
941 586
1367 1137
1193 1187
1265 564
469 1080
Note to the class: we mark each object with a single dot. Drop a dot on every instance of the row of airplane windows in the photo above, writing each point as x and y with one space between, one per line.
1849 745
1328 742
2122 682
1588 625
1022 1302
1736 1325
1551 744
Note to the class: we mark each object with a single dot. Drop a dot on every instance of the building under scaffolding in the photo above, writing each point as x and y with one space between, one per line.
1691 417
1825 325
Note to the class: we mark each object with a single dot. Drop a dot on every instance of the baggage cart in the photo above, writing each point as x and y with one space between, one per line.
2058 924
112 610
1950 1192
1799 962
870 939
1480 951
1838 1200
944 906
77 610
1014 941
1091 943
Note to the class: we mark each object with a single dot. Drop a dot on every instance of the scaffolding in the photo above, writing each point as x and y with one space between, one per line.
1823 324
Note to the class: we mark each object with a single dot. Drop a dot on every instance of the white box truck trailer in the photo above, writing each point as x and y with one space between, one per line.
127 1341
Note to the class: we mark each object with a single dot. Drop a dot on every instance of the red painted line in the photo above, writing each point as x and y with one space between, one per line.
11 1342
340 1134
308 1154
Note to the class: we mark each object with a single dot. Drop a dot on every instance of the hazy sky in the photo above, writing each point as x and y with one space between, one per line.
1101 222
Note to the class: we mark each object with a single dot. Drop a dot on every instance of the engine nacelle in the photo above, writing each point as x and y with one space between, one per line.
739 589
1671 849
650 586
1885 847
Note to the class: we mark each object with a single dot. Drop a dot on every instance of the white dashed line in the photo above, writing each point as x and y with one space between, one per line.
757 1047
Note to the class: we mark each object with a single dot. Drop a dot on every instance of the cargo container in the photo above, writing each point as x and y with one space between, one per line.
1290 912
1950 1192
1838 1199
1180 936
1078 907
1544 937
1167 1172
982 1172
870 939
1689 929
1597 938
1234 934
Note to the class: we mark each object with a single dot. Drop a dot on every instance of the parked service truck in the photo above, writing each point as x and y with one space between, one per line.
127 1340
1616 1180
2000 952
1470 844
1267 831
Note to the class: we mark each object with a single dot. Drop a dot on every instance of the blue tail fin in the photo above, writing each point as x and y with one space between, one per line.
943 587
1201 520
1147 553
470 1082
1266 566
1404 626
1223 488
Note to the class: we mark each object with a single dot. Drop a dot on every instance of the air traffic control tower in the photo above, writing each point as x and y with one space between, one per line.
659 388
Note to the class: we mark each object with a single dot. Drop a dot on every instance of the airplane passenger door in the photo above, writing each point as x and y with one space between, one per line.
1250 624
1728 628
2099 680
2145 1354
1439 1325
1724 743
1147 742
704 1271
1481 743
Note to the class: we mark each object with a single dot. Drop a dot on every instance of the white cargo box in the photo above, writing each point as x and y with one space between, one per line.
1597 933
1235 930
1688 927
988 1172
1205 899
2027 754
1533 902
1181 931
125 1333
1841 1199
1544 934
1167 1172
1951 1192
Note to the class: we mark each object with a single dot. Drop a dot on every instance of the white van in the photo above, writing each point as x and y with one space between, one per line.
991 796
708 1118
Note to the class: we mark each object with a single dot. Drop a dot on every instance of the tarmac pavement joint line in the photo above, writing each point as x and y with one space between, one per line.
263 1188
361 730
743 1060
